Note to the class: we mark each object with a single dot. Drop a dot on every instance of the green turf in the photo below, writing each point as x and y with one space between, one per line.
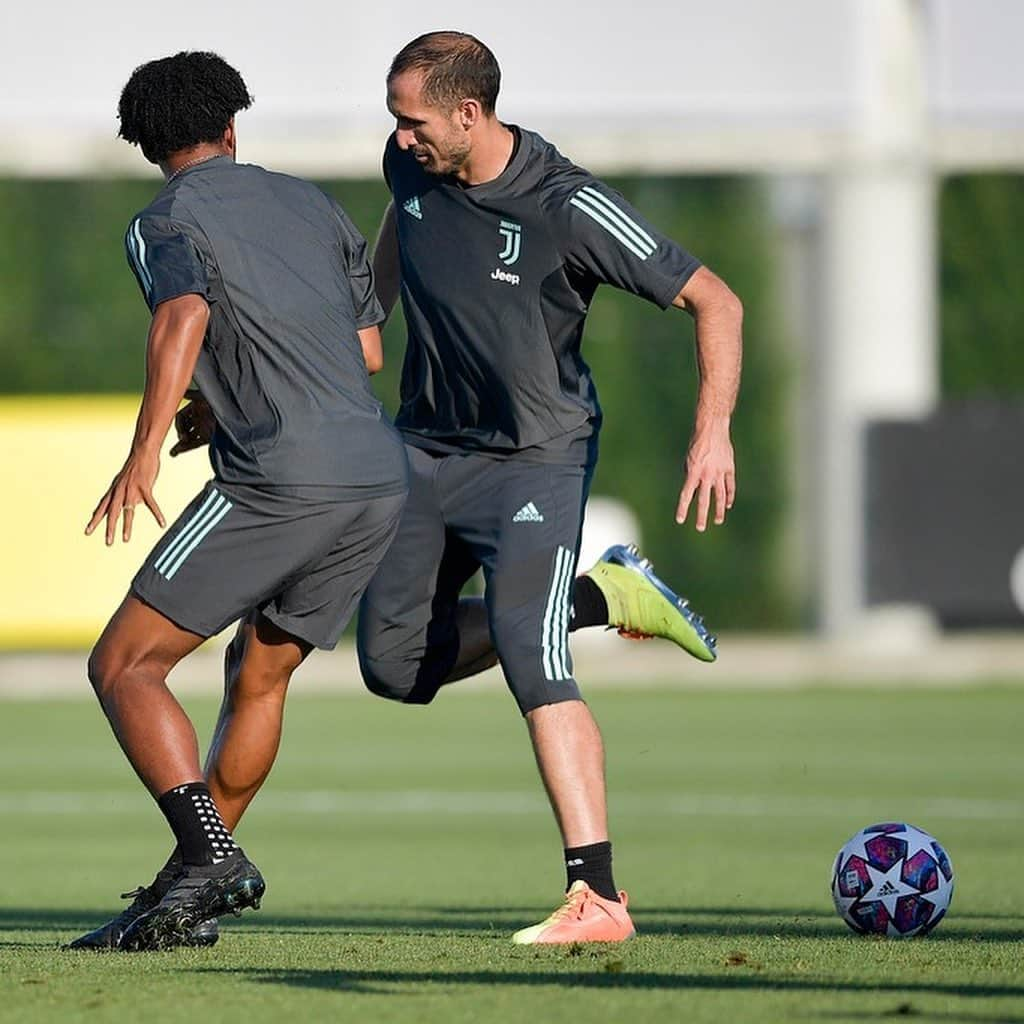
402 846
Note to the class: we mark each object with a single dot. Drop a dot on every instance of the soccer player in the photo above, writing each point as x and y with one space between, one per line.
497 243
261 292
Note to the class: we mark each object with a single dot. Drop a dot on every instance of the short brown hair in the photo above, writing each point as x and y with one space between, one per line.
455 66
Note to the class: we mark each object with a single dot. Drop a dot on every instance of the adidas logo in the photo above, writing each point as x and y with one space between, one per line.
888 889
413 206
529 513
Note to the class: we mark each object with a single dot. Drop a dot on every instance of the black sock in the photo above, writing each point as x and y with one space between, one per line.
593 865
202 836
589 607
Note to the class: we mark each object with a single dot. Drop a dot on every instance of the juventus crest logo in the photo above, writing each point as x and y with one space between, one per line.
512 233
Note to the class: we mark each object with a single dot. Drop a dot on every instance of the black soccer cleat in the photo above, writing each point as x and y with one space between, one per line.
108 936
197 895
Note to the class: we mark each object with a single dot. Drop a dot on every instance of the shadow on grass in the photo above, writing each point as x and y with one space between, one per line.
783 922
907 1011
382 982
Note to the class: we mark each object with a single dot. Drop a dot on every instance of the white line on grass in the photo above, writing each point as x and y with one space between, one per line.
441 802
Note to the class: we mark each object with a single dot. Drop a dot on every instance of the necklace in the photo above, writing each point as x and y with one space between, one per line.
191 163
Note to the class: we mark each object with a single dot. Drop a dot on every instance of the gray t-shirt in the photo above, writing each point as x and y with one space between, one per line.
288 282
496 283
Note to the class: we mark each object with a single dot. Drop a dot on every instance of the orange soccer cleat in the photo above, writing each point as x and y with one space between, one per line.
583 917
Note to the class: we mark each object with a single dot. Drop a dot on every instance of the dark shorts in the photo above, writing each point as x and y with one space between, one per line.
518 520
300 556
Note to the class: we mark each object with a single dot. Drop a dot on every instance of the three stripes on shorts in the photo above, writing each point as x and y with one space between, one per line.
555 627
210 513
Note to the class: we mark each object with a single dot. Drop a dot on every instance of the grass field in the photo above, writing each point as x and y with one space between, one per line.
402 846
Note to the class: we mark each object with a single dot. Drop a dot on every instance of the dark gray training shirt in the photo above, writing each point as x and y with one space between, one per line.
286 275
496 282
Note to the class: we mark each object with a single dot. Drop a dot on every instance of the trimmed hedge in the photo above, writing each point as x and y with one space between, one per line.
74 323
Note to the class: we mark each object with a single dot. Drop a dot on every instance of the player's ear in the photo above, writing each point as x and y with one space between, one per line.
469 113
229 140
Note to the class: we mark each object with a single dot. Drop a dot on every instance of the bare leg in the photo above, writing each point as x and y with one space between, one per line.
128 670
258 667
570 755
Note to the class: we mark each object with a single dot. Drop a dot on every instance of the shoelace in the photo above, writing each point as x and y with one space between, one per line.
142 899
572 907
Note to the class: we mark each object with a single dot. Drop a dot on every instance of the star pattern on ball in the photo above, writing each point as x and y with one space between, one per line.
887 887
892 879
917 840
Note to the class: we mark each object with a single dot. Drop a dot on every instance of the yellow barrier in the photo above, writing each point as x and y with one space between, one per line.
57 457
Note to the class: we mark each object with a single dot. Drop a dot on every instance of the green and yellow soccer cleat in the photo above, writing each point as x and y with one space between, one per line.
639 603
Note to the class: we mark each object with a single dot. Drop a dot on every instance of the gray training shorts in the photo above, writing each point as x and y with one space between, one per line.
300 556
521 522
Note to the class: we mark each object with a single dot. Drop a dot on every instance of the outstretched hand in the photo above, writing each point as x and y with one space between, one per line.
710 470
132 485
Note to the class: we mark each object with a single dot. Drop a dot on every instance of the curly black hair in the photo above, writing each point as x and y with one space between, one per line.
177 102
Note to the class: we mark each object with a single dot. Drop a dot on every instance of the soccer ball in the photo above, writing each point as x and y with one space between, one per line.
892 879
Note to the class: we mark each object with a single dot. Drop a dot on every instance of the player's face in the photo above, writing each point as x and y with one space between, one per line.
436 137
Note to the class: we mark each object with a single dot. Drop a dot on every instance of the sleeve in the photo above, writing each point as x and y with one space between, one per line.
609 240
385 161
165 260
368 309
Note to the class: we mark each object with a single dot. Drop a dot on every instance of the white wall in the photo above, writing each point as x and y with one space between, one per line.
734 83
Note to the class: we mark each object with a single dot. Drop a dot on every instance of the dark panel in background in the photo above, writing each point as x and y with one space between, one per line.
945 512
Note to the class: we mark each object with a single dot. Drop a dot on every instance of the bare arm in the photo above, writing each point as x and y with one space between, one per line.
710 463
387 271
373 349
175 338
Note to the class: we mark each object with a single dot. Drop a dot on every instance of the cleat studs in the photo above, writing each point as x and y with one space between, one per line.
633 549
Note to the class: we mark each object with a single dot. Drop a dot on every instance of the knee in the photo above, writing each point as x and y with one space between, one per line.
259 661
99 671
258 682
255 678
387 677
110 666
538 674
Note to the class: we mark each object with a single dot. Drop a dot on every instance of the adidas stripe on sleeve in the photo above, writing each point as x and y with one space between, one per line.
609 240
165 261
615 220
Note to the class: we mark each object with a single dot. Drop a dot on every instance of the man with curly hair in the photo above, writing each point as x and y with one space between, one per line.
261 292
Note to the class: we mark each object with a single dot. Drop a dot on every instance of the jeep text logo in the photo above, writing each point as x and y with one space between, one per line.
500 275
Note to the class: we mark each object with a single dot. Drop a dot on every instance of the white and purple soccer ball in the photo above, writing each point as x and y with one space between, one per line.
892 879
